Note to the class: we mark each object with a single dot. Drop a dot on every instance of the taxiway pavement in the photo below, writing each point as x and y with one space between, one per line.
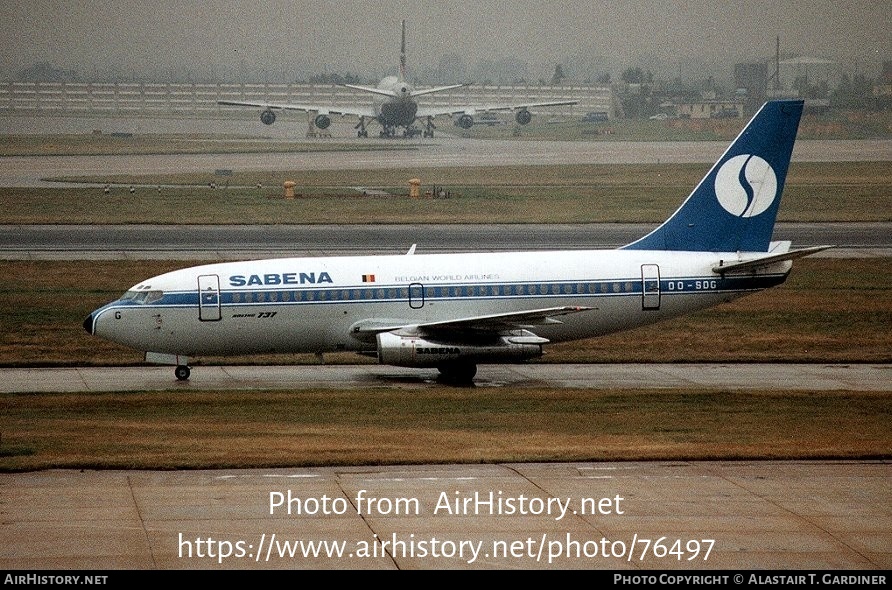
25 171
729 376
626 516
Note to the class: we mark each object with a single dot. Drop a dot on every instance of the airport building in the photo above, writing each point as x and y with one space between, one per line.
785 79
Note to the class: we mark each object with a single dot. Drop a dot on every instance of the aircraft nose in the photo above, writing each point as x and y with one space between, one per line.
88 324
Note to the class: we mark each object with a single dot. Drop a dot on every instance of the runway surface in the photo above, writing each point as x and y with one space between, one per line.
24 171
744 376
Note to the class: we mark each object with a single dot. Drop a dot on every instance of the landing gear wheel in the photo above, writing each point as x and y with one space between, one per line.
182 372
458 373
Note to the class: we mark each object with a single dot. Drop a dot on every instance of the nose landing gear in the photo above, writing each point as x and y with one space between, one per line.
182 372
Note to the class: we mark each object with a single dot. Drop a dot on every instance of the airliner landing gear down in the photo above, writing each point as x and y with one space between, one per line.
458 373
717 246
179 361
429 127
361 130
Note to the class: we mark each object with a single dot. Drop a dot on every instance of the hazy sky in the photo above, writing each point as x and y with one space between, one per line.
296 38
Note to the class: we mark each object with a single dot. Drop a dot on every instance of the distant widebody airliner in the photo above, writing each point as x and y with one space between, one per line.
453 311
397 107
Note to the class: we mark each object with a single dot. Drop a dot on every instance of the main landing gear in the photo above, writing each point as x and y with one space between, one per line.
361 131
429 127
182 372
457 373
391 132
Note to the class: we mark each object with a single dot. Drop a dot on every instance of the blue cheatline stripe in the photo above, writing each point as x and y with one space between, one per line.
471 291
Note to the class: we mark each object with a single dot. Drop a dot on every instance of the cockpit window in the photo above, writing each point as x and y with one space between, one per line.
143 297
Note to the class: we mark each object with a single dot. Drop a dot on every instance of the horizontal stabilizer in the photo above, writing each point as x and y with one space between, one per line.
371 90
725 266
437 89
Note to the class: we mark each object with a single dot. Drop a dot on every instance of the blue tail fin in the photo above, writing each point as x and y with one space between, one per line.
734 207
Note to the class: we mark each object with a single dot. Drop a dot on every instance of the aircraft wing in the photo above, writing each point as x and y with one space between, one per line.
493 323
356 110
473 110
502 321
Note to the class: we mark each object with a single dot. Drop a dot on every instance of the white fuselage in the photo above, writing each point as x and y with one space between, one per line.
399 110
296 305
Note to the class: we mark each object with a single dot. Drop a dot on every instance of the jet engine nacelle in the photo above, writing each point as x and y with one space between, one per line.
411 351
466 121
523 116
267 117
322 121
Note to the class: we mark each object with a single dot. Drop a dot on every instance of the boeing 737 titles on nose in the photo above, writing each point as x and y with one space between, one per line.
453 311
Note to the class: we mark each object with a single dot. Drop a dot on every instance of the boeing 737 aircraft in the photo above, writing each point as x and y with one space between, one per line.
452 311
398 108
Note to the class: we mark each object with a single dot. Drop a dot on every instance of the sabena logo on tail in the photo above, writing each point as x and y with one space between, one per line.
746 185
734 206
